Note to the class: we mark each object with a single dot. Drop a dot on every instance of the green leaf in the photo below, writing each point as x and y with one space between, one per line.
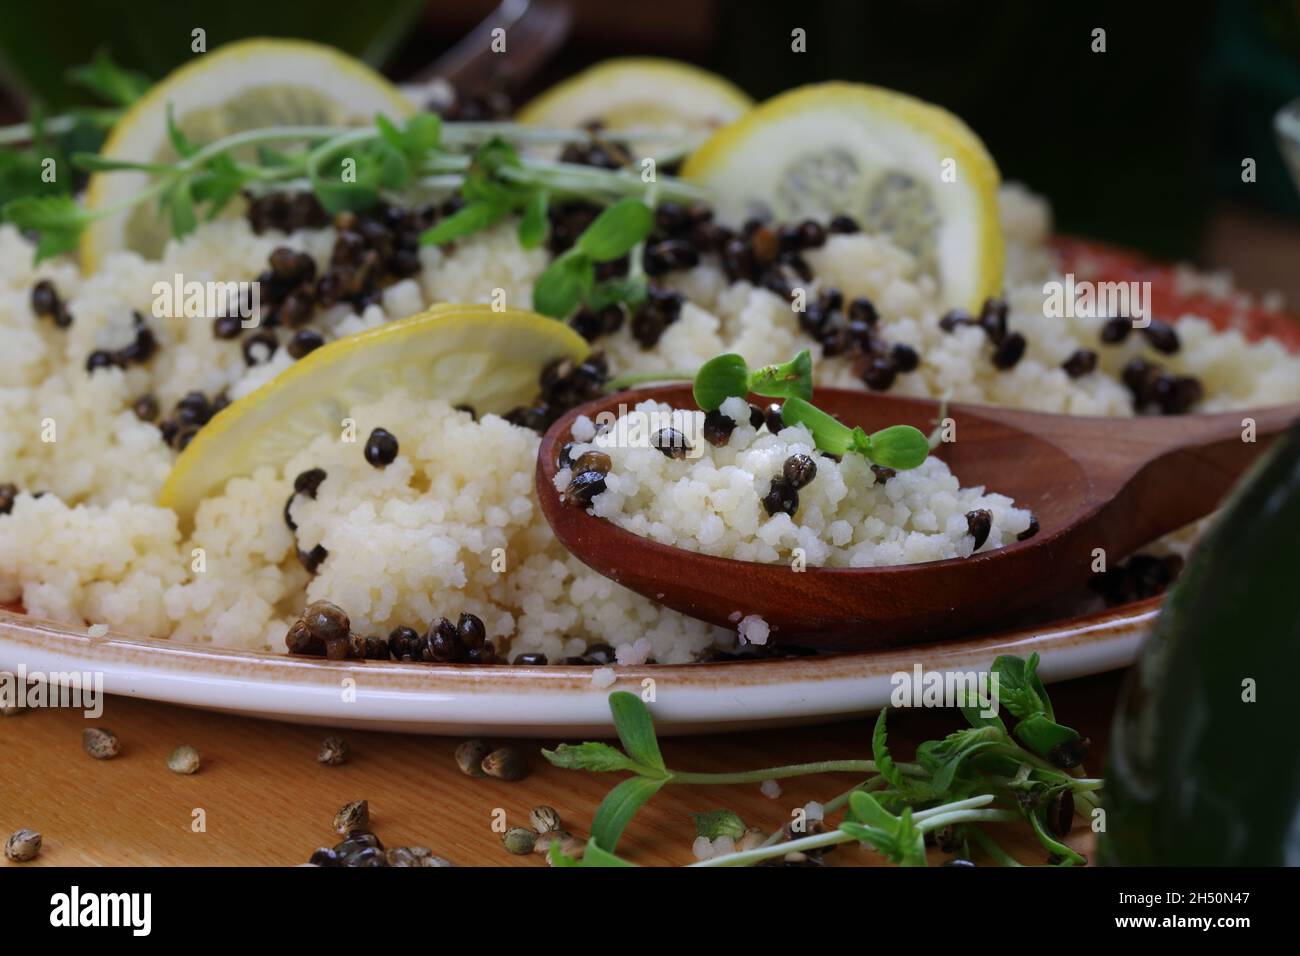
829 434
882 840
594 756
719 823
595 856
620 289
911 841
880 752
465 221
616 231
792 379
560 289
532 226
866 809
1016 686
179 141
179 203
1042 735
56 218
720 378
619 807
900 447
112 82
636 730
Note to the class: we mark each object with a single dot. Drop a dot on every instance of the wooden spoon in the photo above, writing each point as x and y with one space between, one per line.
1093 483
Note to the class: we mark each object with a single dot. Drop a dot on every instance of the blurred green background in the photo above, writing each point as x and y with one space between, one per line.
1140 145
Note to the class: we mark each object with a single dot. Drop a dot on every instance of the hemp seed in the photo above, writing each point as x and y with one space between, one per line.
470 756
23 845
184 759
352 817
100 743
333 751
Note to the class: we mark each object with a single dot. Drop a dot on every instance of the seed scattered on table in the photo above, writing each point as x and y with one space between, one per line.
470 756
519 840
333 751
570 846
507 763
23 845
184 759
544 819
352 817
100 743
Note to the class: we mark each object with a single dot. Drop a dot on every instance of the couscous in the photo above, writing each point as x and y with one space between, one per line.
425 533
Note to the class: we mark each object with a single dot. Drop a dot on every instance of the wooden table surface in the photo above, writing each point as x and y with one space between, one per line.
266 801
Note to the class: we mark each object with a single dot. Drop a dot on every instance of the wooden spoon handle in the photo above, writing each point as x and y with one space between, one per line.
1158 474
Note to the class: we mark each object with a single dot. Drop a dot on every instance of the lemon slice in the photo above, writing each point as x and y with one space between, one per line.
641 93
241 86
892 162
457 353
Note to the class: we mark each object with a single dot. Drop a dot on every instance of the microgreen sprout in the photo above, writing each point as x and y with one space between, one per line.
961 783
728 376
571 278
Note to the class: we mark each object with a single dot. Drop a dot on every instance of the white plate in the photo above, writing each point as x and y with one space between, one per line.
544 701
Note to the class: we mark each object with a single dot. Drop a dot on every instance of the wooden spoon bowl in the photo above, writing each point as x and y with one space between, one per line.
1092 483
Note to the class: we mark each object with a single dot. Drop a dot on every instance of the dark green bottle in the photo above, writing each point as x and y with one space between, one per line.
1198 774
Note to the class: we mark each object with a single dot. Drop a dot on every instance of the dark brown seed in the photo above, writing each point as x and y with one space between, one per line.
1030 531
1116 329
101 359
863 309
227 327
470 755
1139 376
593 461
781 498
145 408
299 640
905 358
718 428
583 487
1069 754
565 458
844 225
1010 351
876 371
978 525
1082 362
442 643
308 481
45 299
765 244
8 492
798 470
471 631
404 644
882 473
259 347
313 559
531 659
811 234
506 764
648 324
324 856
375 649
333 751
381 448
304 342
1060 812
757 417
955 318
288 518
993 319
185 436
671 442
326 620
468 410
352 817
1177 394
1162 337
772 418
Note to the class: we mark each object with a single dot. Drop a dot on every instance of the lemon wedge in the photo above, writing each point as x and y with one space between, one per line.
457 353
244 85
894 163
640 93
